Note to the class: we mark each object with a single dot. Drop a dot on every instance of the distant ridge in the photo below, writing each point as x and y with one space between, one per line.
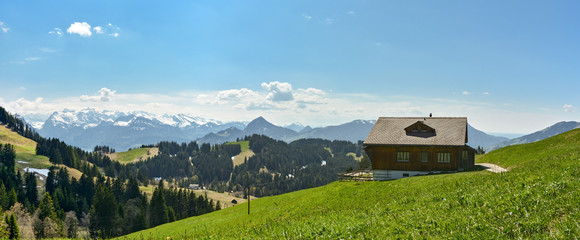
478 138
550 131
352 131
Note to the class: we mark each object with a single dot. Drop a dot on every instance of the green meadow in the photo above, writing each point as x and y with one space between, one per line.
134 155
537 198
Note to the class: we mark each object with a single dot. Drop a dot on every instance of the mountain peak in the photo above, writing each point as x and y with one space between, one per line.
258 123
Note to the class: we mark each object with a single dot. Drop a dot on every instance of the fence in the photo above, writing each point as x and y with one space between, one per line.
359 175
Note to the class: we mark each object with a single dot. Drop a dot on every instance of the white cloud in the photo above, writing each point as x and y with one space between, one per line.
56 31
103 95
466 93
99 30
235 95
83 29
310 96
308 17
32 59
350 13
113 29
3 27
569 108
486 93
278 91
329 21
310 106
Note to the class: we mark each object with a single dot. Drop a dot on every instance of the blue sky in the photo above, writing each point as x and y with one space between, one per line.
509 67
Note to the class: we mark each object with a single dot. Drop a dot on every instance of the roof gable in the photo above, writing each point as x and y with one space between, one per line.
419 127
418 131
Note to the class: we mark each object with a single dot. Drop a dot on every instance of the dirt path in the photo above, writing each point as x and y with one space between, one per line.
492 167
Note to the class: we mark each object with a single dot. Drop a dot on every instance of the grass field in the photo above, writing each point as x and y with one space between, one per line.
26 152
246 152
134 155
537 198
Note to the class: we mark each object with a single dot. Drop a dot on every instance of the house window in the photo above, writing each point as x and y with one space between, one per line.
424 156
403 156
464 155
444 157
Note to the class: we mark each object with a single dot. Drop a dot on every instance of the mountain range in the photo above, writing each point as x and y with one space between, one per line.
550 131
87 128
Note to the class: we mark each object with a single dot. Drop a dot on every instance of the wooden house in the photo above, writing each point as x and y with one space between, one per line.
408 146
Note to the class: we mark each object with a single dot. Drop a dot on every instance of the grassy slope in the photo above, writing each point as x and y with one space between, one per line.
134 155
26 152
246 152
538 198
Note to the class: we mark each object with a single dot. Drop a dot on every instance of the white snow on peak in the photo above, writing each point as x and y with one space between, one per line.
37 125
90 118
122 123
90 125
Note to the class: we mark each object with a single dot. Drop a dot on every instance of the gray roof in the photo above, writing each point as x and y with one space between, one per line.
449 131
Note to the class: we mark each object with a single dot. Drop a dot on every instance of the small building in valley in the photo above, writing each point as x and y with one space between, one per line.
407 146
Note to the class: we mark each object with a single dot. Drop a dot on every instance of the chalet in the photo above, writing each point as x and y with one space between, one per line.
409 146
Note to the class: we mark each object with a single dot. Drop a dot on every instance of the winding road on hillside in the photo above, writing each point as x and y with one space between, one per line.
492 167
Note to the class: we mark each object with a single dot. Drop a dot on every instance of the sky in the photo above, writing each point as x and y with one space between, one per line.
508 66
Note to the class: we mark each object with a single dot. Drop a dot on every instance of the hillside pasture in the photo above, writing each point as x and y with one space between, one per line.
134 155
535 199
245 154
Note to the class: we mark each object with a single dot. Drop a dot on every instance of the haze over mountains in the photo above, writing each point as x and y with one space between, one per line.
87 128
550 131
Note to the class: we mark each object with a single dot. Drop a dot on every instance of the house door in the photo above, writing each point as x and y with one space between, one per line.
462 160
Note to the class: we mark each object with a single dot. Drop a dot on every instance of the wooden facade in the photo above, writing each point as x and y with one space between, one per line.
421 158
401 147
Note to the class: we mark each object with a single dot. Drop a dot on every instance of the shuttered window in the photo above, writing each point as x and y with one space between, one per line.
403 156
443 157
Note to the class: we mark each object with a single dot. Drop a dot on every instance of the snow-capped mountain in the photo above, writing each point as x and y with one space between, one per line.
88 127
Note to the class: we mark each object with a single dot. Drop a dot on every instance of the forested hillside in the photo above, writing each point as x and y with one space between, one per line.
90 205
276 167
107 192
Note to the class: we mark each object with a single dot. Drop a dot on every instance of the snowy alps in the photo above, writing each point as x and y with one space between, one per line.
88 127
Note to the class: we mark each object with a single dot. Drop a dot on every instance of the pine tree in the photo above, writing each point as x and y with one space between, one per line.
50 185
158 210
12 198
14 232
3 197
104 213
7 157
31 191
46 208
170 214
